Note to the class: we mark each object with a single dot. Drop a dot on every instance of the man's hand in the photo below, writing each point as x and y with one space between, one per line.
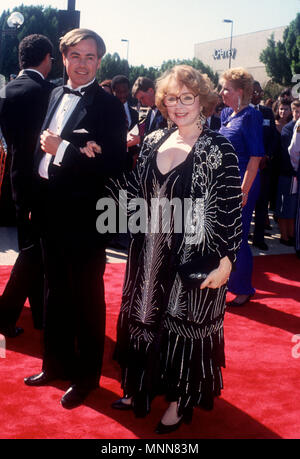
50 142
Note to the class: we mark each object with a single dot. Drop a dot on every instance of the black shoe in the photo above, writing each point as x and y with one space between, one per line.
41 379
236 303
261 245
119 405
75 396
11 331
298 253
165 429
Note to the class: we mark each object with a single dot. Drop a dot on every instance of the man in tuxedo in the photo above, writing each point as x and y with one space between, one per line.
144 91
269 137
69 186
121 88
23 105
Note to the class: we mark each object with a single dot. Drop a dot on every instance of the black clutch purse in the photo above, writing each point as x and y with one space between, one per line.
194 272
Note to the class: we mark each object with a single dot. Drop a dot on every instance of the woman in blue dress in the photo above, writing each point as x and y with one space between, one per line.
243 126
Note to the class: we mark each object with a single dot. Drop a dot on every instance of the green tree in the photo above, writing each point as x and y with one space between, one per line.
37 19
112 65
282 58
291 39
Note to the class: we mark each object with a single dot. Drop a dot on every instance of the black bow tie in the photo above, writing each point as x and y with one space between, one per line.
68 90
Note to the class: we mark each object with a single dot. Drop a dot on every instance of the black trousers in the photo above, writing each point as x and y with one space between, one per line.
26 279
75 311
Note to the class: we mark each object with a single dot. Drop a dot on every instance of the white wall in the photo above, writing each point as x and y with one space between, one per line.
247 51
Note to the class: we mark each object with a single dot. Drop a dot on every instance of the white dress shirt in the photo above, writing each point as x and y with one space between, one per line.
127 111
60 118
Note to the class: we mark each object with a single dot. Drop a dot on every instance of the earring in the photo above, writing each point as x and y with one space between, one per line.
201 121
239 103
170 123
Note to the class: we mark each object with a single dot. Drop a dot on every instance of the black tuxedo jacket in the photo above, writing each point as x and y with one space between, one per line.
159 122
23 105
269 130
134 117
215 123
75 186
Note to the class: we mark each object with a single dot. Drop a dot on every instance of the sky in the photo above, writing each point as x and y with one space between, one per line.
169 29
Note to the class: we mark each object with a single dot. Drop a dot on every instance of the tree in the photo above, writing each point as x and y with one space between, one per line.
291 38
37 19
282 58
112 65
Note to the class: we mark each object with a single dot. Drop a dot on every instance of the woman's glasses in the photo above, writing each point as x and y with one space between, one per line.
187 98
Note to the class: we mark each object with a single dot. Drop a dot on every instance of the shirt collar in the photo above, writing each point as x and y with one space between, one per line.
81 88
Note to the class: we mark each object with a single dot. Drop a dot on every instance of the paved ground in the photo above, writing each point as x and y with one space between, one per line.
9 247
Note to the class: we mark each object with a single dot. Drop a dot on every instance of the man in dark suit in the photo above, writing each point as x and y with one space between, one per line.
269 135
288 194
23 105
121 88
69 186
144 91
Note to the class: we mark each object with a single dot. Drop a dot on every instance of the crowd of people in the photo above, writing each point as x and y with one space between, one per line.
226 154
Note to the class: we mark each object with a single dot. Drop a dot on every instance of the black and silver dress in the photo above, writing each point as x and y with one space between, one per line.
170 340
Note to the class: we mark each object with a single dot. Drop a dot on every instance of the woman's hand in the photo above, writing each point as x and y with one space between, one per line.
133 140
244 199
91 149
219 276
249 177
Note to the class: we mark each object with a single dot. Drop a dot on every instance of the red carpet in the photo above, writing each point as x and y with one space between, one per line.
261 381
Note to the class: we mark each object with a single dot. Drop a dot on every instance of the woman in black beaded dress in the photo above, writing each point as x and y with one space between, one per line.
170 337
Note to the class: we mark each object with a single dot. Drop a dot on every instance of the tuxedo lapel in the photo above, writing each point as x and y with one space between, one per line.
53 104
79 112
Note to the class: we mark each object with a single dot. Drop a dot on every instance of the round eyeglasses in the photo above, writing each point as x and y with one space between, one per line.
187 98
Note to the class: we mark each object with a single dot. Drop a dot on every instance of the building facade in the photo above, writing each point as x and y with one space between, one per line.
245 52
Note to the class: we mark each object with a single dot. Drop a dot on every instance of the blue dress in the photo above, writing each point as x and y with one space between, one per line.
245 131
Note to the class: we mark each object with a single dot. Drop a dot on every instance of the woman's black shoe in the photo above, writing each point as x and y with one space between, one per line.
236 303
120 405
165 429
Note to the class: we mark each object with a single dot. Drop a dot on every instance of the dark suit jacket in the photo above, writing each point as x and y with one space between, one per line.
77 184
215 123
134 117
286 167
159 122
23 105
269 130
133 151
